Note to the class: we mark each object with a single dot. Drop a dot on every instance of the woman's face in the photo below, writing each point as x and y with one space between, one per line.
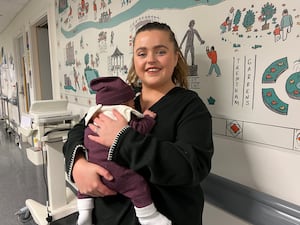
154 58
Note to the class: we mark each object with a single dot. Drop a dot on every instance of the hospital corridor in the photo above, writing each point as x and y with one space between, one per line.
20 180
230 69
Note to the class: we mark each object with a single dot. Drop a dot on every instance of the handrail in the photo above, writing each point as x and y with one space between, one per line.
248 204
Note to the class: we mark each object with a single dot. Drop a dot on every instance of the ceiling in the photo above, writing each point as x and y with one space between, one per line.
8 11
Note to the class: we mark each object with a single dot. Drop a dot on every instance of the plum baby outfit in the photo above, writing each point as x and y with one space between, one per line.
111 93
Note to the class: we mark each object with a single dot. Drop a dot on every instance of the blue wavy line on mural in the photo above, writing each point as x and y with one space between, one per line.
140 7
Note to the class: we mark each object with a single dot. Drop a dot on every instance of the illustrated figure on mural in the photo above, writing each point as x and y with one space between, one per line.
276 32
189 37
286 24
69 17
95 9
230 19
95 60
112 35
125 2
212 55
76 78
81 42
84 86
189 46
224 25
102 5
83 9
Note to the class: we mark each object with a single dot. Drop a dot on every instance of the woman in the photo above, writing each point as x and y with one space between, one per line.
174 158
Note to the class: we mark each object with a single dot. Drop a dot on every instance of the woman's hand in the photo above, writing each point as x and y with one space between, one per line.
86 177
107 128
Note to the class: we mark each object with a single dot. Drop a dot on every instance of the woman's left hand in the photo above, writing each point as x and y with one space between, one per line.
107 128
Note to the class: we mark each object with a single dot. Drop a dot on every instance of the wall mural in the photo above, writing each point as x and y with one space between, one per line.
243 57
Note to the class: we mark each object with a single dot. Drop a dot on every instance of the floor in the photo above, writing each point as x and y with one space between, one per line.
20 180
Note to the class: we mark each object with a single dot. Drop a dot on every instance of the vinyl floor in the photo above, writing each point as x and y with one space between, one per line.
20 179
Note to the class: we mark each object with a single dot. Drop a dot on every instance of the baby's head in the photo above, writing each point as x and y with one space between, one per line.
112 91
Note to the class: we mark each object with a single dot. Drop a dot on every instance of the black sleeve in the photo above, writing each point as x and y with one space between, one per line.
73 145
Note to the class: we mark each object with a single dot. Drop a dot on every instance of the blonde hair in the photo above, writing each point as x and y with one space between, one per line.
180 72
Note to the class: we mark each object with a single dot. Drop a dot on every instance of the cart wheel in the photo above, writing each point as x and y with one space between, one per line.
24 216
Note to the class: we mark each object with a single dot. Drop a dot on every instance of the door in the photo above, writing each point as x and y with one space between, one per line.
42 76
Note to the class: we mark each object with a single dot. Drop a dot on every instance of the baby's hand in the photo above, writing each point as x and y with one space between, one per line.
148 112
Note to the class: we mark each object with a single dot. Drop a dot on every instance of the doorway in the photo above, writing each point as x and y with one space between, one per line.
42 78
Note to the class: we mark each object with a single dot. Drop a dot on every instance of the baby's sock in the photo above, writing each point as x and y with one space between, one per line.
150 216
85 208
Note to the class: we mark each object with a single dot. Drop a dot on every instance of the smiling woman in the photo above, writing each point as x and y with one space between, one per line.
174 158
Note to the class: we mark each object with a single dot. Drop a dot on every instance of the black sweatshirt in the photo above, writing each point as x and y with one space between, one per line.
174 158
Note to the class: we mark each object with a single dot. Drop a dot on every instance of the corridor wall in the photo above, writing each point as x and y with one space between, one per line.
253 95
